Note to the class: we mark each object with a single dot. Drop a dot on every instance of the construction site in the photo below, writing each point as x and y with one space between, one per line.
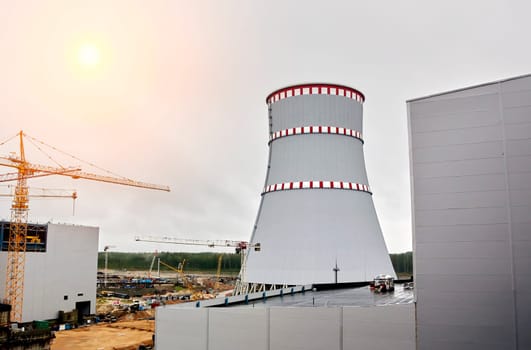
38 299
316 272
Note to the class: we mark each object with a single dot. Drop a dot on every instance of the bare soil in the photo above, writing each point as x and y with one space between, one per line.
121 335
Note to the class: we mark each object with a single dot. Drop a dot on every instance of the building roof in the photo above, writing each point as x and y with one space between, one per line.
468 88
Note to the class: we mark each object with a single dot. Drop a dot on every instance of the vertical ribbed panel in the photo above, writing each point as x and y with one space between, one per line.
316 206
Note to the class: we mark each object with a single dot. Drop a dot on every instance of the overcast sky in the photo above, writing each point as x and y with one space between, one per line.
178 97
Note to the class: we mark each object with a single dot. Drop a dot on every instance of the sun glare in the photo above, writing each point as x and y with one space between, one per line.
89 55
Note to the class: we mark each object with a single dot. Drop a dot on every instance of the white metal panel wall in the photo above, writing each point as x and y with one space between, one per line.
383 327
238 329
67 268
305 328
181 329
379 327
471 192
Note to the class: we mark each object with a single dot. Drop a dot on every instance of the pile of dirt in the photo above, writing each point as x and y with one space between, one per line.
139 315
104 309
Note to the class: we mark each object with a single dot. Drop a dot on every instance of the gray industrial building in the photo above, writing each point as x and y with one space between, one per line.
60 269
471 195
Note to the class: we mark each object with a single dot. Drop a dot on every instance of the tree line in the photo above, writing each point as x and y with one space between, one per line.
402 262
230 262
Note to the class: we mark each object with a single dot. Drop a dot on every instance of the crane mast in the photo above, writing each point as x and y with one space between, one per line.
16 249
18 228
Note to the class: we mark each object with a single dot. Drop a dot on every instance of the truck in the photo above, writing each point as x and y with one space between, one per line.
383 284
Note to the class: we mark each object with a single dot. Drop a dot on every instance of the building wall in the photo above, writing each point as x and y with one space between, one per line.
379 327
67 268
471 199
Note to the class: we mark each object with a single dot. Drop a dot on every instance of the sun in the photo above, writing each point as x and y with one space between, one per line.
88 55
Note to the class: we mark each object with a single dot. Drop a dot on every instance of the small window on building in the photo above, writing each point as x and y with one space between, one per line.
66 297
79 294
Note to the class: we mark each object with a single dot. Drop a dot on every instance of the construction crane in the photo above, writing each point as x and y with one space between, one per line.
218 271
153 264
241 247
14 290
238 245
180 271
46 193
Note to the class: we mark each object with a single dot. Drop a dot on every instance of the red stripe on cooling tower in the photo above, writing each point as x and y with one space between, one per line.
314 129
299 185
318 88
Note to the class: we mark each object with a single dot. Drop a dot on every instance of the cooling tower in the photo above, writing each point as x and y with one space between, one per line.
316 221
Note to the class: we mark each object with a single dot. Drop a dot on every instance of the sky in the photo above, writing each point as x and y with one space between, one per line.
175 95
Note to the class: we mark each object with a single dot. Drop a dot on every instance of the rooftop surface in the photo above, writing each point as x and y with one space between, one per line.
336 298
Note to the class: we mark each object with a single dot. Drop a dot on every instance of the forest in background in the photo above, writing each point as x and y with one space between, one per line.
208 262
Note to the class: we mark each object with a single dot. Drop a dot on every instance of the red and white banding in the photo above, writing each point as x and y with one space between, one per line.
303 185
315 89
316 130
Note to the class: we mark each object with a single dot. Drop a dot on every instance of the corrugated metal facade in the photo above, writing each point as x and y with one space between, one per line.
304 232
471 195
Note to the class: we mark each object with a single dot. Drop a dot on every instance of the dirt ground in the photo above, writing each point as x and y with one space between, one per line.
121 335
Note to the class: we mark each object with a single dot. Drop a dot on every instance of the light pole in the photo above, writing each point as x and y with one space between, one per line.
106 250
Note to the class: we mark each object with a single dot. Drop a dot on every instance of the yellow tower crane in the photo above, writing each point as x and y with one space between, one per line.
18 228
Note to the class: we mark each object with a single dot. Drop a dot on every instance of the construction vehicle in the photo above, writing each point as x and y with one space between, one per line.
382 284
14 291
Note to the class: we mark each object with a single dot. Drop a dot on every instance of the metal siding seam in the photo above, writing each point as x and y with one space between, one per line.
509 216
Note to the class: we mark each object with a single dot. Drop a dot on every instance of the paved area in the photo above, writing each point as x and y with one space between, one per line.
334 298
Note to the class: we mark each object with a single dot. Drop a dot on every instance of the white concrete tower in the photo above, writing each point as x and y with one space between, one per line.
316 209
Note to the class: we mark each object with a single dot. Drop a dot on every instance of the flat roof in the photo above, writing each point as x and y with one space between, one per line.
361 296
468 88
